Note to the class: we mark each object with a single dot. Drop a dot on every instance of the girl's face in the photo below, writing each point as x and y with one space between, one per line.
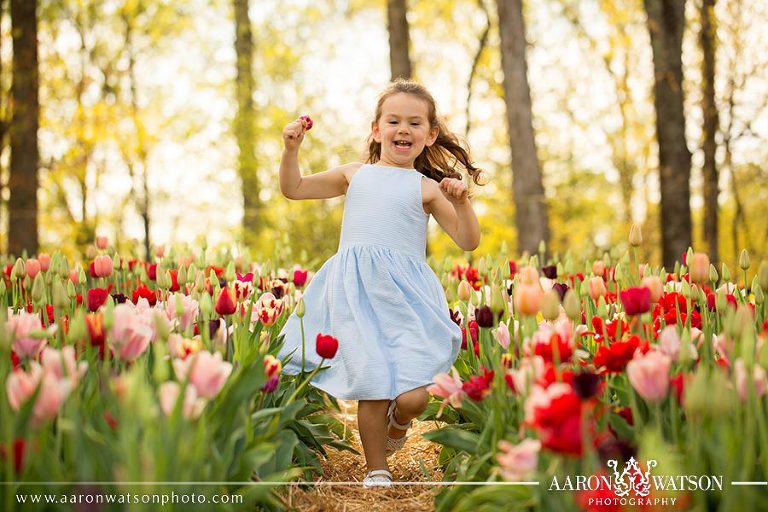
403 130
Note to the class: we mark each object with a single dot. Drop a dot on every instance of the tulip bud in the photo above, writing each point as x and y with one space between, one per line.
744 260
726 274
721 303
71 292
542 247
572 306
759 296
300 308
229 273
550 305
713 277
635 235
38 289
465 290
18 269
497 301
181 277
117 263
762 275
482 267
206 305
59 293
62 267
3 289
685 289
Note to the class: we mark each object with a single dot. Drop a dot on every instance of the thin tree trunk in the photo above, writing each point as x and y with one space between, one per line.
531 217
709 128
23 179
245 125
666 21
399 39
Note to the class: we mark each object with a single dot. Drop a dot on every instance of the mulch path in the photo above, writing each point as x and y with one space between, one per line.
416 462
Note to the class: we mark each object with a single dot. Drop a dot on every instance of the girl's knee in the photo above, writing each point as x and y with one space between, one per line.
414 402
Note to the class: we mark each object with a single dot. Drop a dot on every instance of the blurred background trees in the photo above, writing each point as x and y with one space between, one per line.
159 122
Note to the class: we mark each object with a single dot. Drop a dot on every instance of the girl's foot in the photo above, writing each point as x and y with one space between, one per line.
397 442
377 478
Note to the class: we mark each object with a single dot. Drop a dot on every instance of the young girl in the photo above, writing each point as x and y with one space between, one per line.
377 295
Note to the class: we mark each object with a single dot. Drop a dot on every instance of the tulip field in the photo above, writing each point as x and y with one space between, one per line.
582 384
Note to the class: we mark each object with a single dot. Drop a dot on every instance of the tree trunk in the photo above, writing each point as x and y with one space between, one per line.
399 40
245 125
709 128
666 21
23 179
531 218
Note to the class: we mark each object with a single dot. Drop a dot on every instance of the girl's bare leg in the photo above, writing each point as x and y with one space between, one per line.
372 424
410 405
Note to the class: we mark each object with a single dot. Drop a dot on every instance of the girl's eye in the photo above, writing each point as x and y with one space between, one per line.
415 124
393 122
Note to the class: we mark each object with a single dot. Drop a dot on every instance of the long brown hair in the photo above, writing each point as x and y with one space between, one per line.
443 159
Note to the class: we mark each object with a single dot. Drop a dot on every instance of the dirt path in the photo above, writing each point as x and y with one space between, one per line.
416 462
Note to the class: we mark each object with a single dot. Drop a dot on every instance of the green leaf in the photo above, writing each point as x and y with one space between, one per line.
454 438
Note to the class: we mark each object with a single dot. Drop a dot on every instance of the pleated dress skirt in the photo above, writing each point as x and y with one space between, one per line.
377 296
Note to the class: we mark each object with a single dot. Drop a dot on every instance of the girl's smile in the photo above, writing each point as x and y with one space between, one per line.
403 130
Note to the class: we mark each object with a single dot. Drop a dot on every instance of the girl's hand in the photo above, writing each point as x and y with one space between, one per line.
456 191
293 134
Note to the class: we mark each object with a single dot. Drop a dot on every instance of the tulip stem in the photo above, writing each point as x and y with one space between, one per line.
303 345
304 383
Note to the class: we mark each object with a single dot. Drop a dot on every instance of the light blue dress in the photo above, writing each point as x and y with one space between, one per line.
377 296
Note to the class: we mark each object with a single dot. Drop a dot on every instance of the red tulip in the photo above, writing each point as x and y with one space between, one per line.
326 346
300 277
308 121
636 301
226 304
96 297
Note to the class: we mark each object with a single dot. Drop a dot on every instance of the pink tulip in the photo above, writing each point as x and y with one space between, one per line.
670 343
45 261
529 275
206 371
518 462
160 251
649 375
598 267
130 335
654 284
168 392
501 334
33 267
447 387
190 309
74 276
597 288
698 267
527 298
759 379
530 370
102 242
63 363
102 266
21 327
21 386
53 393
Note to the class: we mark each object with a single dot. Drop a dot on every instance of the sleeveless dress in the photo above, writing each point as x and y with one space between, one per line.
377 296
